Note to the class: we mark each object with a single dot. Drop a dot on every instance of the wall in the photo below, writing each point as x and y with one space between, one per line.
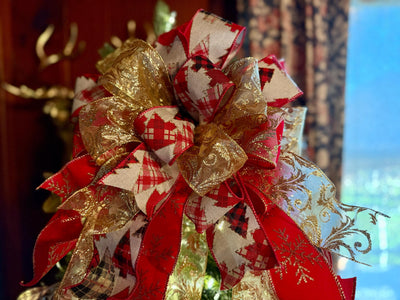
28 142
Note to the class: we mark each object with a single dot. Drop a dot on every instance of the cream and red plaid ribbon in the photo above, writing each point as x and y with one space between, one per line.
215 156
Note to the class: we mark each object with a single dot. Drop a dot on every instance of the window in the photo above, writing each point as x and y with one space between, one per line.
371 170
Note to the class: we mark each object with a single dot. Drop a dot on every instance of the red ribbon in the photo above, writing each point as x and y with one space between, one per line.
303 270
201 98
257 234
160 247
61 233
54 242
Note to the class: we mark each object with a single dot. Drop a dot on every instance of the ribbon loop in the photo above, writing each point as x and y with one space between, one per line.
277 86
206 34
263 143
142 173
213 159
167 136
139 76
202 88
247 99
258 207
138 80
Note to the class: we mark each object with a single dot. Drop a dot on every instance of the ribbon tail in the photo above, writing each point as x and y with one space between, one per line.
160 247
54 242
75 175
238 243
80 260
349 287
300 262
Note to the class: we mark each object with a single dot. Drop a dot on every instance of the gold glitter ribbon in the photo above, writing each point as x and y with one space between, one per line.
138 80
218 152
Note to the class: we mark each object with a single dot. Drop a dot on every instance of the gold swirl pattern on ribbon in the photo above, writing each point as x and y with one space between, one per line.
221 146
214 158
103 209
305 193
221 155
293 132
138 80
247 99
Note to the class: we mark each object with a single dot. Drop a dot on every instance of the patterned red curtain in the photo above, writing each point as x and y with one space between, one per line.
311 36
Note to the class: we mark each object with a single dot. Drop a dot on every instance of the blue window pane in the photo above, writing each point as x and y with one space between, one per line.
371 174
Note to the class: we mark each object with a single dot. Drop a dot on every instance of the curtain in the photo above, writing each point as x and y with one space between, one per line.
311 36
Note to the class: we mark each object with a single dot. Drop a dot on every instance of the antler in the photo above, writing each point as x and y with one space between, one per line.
40 93
131 26
67 52
47 60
